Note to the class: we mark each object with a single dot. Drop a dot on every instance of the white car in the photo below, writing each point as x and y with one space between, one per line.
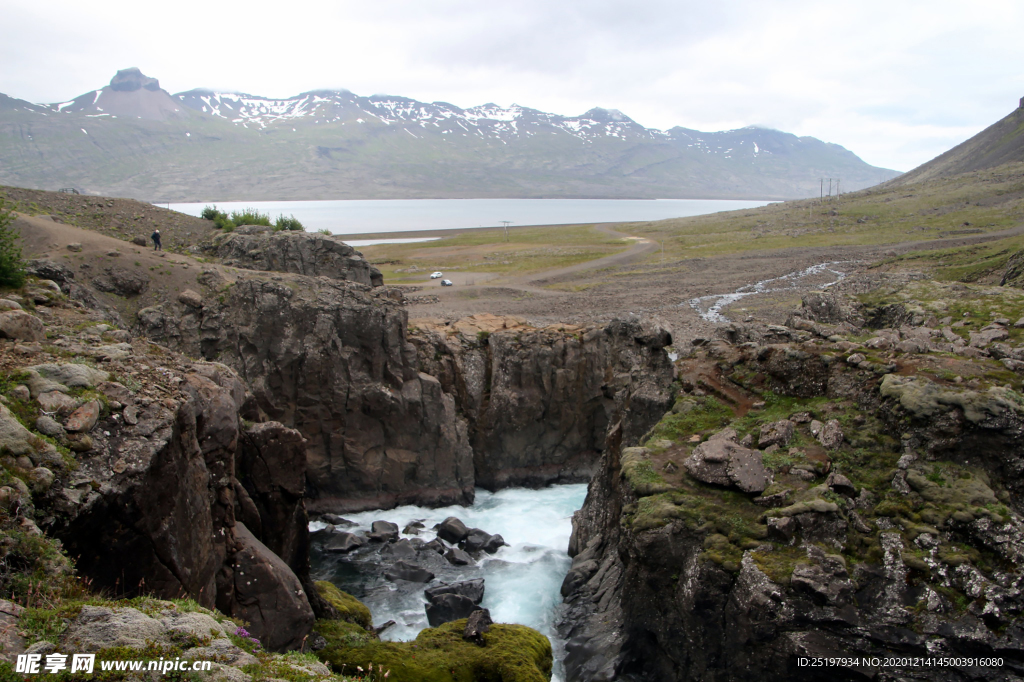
436 275
446 282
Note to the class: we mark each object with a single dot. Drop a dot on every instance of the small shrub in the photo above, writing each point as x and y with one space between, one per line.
250 216
290 223
12 267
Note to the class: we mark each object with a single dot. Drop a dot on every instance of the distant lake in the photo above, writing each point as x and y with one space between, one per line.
415 215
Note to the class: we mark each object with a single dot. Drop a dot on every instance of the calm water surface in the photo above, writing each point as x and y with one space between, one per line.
409 215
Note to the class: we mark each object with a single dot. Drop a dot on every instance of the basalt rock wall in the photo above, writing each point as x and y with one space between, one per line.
393 419
539 402
330 359
919 556
150 505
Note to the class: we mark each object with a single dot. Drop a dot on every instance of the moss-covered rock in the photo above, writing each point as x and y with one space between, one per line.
348 607
924 399
510 653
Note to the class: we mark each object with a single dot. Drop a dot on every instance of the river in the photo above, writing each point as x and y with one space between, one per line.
522 580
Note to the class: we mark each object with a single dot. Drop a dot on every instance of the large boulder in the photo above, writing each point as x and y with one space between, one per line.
383 531
448 602
21 326
724 462
470 589
458 557
478 623
15 439
452 530
402 570
343 542
478 540
776 433
448 607
268 595
84 418
403 549
65 376
831 434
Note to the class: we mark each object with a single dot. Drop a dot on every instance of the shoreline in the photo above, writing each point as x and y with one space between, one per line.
456 231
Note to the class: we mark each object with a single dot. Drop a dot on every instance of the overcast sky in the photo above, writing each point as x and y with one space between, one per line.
895 81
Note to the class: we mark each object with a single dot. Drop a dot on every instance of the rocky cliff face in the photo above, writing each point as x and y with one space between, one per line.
539 402
392 418
132 453
890 525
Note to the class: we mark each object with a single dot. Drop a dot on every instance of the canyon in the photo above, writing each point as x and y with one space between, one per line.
838 475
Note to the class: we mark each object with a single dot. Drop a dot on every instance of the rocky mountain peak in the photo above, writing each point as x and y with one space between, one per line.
129 80
607 116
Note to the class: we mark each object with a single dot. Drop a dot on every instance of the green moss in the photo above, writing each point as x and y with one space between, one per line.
719 549
779 459
707 415
777 406
348 607
779 563
640 474
511 653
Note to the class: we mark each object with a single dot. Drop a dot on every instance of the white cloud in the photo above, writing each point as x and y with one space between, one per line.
895 82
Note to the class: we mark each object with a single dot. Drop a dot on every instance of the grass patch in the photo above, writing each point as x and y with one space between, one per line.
706 415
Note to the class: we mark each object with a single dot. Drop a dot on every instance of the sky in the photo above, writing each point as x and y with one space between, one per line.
895 81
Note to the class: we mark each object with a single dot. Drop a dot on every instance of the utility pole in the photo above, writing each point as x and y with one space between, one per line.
505 224
830 189
821 195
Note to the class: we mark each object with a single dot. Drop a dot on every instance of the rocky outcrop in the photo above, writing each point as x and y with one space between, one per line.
914 549
329 358
393 418
315 255
137 477
133 533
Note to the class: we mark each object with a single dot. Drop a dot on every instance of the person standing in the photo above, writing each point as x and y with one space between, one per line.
156 241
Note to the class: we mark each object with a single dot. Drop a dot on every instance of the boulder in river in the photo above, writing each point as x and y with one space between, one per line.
336 520
343 542
383 531
402 570
435 545
471 589
448 607
448 602
452 530
457 557
478 540
403 549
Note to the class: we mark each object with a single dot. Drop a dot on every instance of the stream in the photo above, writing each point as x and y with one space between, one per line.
710 307
522 579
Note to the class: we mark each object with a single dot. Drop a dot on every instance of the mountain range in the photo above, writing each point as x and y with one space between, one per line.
131 138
